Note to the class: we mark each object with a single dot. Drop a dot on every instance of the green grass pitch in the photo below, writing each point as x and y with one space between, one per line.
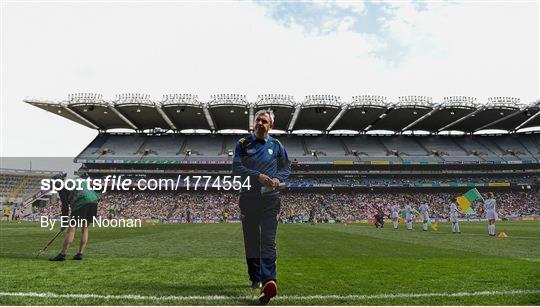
315 262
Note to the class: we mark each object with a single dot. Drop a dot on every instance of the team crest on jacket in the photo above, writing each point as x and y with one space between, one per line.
270 151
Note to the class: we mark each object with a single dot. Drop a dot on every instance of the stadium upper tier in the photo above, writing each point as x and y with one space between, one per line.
397 149
317 112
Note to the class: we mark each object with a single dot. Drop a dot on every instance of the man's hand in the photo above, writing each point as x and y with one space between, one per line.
275 183
265 180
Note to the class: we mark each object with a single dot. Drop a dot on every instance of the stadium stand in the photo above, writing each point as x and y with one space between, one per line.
21 184
296 148
436 149
204 146
367 148
342 159
162 146
405 146
20 188
325 146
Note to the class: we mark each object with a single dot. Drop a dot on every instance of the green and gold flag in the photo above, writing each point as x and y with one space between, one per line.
467 199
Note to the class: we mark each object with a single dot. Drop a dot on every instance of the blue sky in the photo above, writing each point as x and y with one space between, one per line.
313 15
326 18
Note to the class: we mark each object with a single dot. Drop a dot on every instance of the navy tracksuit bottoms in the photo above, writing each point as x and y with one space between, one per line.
259 215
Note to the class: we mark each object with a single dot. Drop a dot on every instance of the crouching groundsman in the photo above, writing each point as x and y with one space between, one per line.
79 207
264 160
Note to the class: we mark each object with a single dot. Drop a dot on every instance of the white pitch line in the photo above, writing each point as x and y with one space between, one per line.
49 295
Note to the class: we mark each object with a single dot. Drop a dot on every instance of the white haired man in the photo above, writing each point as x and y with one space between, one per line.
264 160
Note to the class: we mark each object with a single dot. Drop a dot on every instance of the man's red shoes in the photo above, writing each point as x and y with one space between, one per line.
268 291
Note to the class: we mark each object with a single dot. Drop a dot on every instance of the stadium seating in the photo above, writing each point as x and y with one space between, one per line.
162 146
324 148
19 185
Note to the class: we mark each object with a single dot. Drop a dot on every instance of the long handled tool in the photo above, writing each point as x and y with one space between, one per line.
41 251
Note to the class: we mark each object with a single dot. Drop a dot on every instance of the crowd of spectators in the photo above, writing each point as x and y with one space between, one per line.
408 180
205 207
353 206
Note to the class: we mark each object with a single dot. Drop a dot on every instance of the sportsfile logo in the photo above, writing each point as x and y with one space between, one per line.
114 183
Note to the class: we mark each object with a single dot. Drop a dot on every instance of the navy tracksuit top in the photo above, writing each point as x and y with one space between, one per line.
253 157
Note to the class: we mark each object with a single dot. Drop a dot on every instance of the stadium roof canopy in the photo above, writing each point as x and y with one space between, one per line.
516 118
318 112
482 117
361 113
185 112
402 114
229 111
283 107
448 112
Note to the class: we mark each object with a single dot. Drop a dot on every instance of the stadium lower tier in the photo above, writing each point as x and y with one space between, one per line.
210 207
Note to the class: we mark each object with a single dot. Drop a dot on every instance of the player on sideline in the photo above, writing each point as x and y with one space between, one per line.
491 214
408 216
454 211
424 210
395 216
264 159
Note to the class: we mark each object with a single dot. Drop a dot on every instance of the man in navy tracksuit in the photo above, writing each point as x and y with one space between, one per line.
264 160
